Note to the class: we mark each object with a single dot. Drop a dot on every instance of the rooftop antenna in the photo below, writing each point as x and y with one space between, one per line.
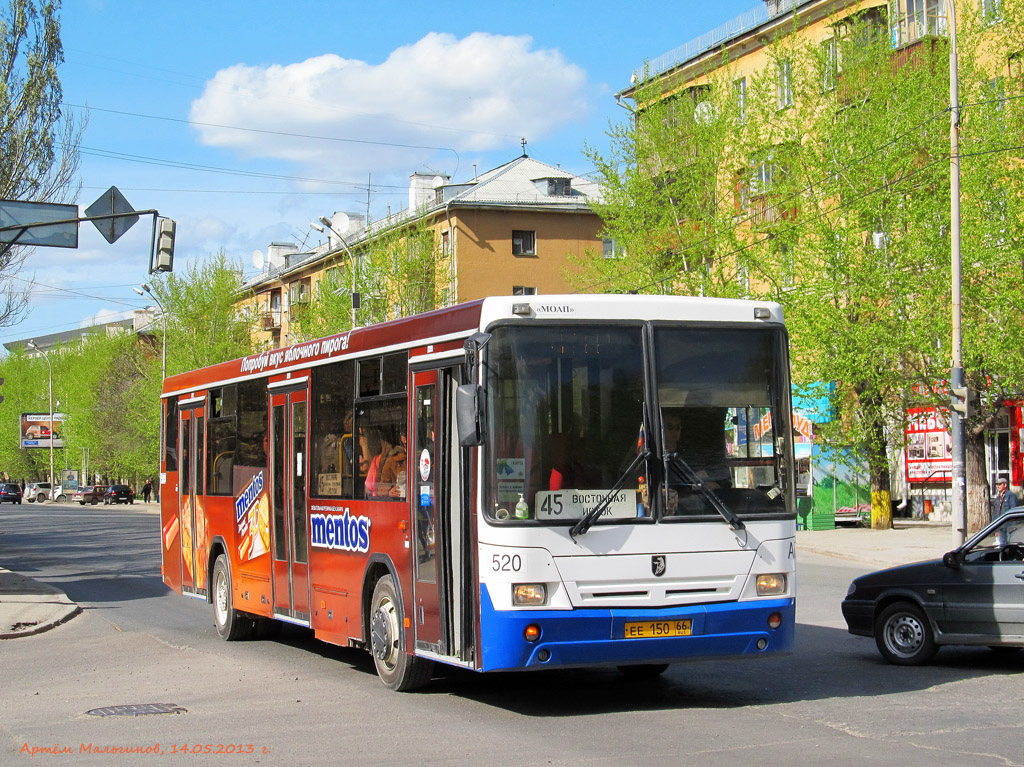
522 141
474 170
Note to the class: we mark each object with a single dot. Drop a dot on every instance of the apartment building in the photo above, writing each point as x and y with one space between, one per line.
752 104
513 230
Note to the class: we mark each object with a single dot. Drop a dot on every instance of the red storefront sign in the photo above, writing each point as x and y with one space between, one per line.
929 446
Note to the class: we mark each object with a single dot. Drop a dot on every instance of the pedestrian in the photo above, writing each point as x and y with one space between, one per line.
147 490
1005 498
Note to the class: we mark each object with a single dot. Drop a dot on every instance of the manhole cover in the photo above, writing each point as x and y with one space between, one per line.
138 709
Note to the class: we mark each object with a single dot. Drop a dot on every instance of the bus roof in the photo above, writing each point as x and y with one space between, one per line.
456 323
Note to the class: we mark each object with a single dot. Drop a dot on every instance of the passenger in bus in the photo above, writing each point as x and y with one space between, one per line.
370 449
392 475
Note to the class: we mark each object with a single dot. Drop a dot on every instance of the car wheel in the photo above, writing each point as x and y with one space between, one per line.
904 635
395 667
95 501
40 498
81 503
62 499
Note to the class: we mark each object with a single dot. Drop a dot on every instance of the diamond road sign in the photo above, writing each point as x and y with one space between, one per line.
112 202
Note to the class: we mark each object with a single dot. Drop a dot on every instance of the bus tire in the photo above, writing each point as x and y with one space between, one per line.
231 624
643 670
396 668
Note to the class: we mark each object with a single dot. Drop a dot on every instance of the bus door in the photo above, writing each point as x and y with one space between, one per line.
191 520
442 593
289 522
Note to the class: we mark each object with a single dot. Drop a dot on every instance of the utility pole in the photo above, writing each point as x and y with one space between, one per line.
960 395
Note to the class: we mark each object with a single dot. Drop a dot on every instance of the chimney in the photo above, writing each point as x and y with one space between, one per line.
421 188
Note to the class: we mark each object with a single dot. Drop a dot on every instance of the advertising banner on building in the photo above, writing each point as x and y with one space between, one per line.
35 430
929 445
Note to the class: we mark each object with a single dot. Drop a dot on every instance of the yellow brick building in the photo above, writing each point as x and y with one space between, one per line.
512 230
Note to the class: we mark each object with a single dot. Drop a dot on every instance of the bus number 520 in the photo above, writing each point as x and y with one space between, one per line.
506 563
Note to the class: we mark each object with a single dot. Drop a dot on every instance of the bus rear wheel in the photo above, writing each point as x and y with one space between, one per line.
395 667
231 624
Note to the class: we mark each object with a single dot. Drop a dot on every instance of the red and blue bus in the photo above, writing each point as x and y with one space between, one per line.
515 483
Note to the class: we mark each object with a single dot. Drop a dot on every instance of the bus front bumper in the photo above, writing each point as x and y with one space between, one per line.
591 637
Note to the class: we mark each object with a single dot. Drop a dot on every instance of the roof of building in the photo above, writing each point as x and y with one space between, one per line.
53 340
713 39
512 185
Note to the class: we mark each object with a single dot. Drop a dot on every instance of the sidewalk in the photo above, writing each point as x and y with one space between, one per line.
29 607
908 541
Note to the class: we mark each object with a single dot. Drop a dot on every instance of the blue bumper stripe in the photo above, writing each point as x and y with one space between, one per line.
594 636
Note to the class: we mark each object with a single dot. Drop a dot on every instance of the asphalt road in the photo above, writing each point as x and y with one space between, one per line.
296 701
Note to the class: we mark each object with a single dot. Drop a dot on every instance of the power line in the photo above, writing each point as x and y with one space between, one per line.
290 134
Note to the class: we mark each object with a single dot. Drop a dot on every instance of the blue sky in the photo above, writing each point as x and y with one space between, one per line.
336 97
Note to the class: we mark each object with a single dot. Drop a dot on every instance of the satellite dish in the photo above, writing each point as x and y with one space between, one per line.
340 222
257 259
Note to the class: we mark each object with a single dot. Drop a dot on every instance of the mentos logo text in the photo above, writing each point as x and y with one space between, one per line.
340 531
248 497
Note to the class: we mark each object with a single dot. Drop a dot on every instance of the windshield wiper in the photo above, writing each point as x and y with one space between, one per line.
591 516
694 481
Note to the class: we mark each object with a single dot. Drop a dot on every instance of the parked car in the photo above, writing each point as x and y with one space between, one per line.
974 595
119 494
38 491
89 494
10 492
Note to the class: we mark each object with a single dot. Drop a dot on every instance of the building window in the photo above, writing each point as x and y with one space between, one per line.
611 249
524 243
784 83
914 19
830 71
991 11
741 99
559 187
523 290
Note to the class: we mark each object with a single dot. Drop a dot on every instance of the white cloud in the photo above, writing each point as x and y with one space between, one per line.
474 94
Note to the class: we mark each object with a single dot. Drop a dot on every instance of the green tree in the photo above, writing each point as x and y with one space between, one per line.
203 325
822 181
400 271
38 142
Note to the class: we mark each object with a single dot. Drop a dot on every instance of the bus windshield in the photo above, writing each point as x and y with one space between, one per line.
569 414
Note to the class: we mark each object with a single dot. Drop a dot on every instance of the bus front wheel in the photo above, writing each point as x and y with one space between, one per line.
395 667
231 624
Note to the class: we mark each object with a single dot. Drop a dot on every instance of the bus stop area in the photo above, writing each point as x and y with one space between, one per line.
28 606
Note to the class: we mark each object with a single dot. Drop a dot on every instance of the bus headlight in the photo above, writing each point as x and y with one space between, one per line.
529 594
771 584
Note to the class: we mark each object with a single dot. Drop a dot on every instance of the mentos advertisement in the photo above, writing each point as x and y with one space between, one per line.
252 519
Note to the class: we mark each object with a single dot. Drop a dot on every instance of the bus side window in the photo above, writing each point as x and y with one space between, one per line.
331 441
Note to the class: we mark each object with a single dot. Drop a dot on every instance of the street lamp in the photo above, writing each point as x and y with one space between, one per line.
352 259
49 367
163 318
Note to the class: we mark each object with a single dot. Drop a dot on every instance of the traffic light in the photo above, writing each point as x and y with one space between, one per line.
165 245
960 401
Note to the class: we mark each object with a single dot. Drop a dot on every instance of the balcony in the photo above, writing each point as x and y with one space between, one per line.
272 320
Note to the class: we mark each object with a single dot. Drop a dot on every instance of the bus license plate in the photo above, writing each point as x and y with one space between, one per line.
655 629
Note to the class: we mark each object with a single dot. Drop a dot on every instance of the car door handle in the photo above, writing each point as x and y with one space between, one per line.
1019 576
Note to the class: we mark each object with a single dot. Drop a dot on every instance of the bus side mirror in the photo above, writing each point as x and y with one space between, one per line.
469 414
